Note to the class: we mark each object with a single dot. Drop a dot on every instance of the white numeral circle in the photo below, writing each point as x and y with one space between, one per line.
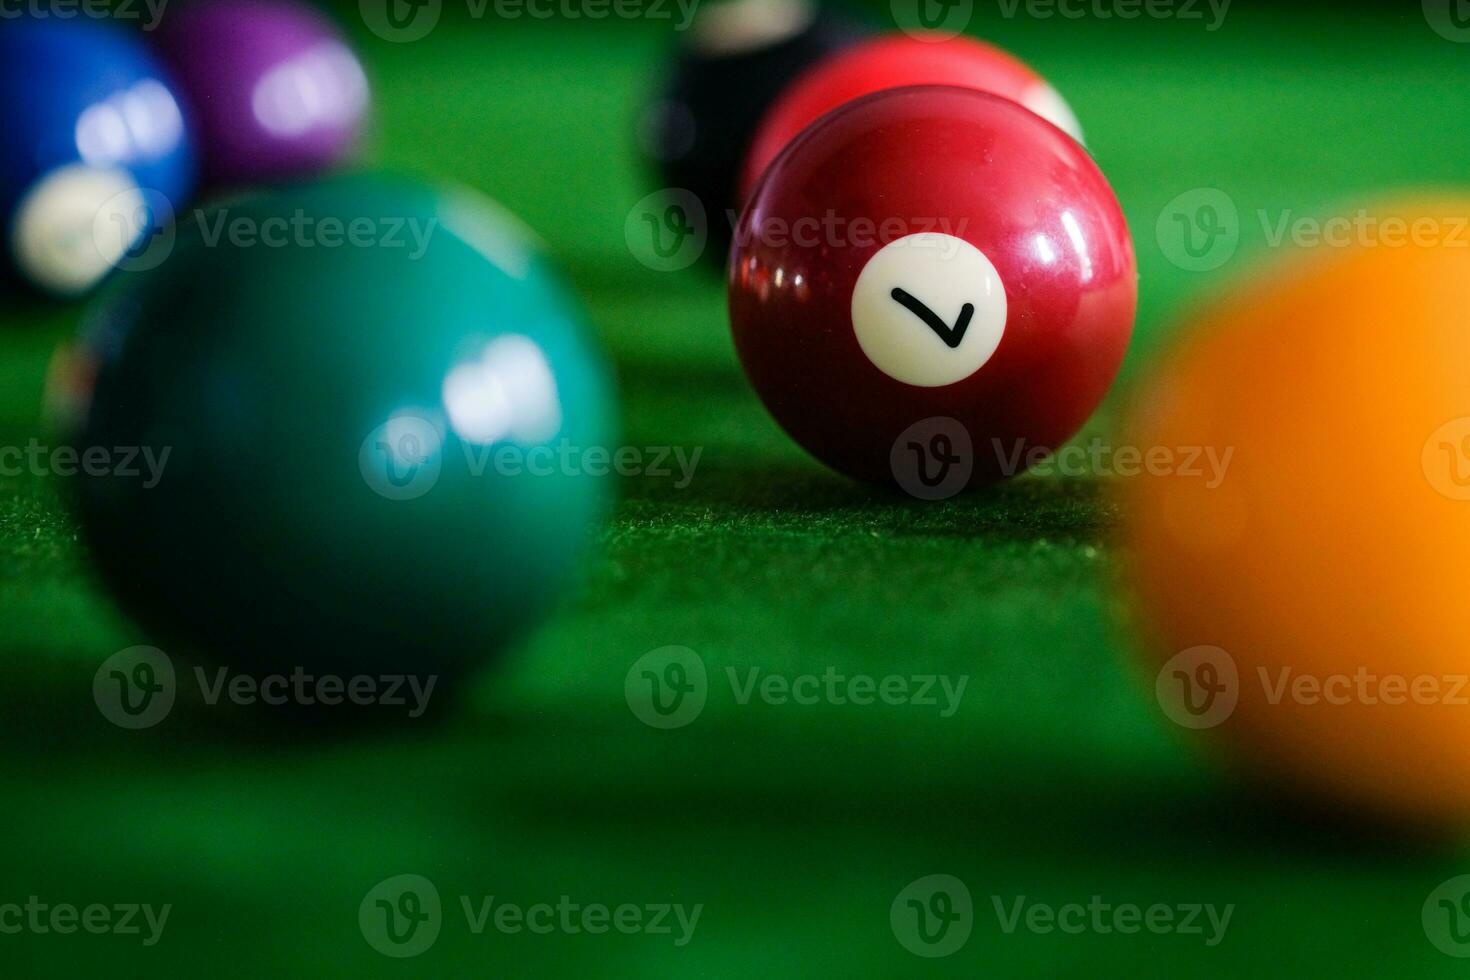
929 309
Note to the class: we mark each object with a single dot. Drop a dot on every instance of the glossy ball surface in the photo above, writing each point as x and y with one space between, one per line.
739 57
1307 608
272 86
931 253
365 441
95 154
896 61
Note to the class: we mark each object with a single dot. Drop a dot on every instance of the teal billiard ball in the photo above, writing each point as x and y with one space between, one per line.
358 411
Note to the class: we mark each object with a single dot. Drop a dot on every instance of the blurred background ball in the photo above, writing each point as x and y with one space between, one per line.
739 56
365 442
894 61
95 152
1335 546
272 86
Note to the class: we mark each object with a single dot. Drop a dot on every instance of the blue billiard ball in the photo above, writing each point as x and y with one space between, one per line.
96 151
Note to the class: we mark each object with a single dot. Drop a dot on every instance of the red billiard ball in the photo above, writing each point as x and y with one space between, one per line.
932 253
897 61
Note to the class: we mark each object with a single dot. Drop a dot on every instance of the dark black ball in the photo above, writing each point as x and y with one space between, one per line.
738 58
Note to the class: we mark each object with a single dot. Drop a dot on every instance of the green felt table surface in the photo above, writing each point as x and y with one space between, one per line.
794 827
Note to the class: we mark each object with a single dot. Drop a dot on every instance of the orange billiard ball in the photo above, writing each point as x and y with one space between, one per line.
1309 608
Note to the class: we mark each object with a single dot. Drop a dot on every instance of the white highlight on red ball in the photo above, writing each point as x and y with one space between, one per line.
1048 103
945 274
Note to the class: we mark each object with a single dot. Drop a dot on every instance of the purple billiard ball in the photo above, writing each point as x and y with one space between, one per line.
272 88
